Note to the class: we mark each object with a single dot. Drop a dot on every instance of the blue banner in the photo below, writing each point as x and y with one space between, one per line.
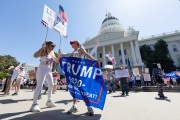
85 81
171 74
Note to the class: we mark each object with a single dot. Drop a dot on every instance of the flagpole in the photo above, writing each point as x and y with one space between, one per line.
46 34
60 42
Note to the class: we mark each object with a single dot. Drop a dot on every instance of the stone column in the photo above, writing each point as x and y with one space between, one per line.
112 49
122 54
138 52
104 58
133 53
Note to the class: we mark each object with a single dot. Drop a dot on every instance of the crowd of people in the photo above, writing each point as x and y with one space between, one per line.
50 81
126 83
14 80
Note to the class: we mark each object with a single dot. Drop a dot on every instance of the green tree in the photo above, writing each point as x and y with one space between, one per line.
2 75
145 51
159 55
6 61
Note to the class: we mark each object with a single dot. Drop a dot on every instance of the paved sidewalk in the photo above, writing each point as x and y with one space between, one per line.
137 106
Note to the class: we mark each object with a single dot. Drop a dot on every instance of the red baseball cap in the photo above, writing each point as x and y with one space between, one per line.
71 42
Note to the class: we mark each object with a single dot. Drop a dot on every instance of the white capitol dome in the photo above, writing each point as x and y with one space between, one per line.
110 24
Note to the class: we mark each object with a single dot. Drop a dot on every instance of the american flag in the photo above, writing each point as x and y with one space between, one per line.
62 13
112 59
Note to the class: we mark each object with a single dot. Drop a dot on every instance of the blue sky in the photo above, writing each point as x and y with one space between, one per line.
22 34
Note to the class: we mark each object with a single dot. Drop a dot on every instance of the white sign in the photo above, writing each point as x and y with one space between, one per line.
146 70
49 16
121 73
135 71
147 77
60 26
108 66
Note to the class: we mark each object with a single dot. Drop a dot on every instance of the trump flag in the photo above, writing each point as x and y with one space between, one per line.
85 81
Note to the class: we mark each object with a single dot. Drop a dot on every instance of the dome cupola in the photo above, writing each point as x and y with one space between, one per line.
110 24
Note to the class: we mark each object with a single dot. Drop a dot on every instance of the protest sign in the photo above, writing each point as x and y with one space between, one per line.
147 77
49 17
121 73
135 71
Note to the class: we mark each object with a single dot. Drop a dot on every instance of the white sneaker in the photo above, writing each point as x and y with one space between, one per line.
50 104
35 108
73 109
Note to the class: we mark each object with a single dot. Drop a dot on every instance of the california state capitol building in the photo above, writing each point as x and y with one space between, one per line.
124 44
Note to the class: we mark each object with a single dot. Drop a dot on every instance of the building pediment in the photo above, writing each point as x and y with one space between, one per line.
104 37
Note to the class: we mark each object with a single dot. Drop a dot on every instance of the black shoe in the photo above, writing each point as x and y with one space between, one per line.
14 94
90 111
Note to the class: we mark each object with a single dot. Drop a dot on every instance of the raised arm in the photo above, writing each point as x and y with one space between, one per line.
81 50
39 52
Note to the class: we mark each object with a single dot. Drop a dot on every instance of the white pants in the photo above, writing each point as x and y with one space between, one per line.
42 75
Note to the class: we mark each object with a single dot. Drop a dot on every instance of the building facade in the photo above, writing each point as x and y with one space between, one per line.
173 41
124 44
121 44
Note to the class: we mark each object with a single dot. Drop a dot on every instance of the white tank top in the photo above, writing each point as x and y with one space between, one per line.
46 61
77 54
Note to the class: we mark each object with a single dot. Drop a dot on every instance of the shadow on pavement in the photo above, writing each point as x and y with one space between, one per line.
9 101
2 116
118 96
65 101
53 115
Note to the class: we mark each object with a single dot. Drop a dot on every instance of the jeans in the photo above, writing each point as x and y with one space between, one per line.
124 86
111 86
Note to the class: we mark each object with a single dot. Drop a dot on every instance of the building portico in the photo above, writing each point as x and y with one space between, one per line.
121 44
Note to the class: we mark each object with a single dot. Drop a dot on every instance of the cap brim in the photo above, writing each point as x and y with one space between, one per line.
71 42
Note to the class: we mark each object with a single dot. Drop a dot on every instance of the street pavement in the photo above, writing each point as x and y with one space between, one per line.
136 106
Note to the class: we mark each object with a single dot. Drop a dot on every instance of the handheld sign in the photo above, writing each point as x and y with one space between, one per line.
147 77
121 73
135 71
60 26
49 17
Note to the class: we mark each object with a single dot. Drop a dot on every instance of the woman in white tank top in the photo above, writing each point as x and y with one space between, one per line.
80 53
44 72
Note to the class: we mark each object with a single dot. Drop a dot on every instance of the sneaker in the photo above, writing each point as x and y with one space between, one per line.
127 94
90 111
73 109
14 94
123 95
50 104
35 108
